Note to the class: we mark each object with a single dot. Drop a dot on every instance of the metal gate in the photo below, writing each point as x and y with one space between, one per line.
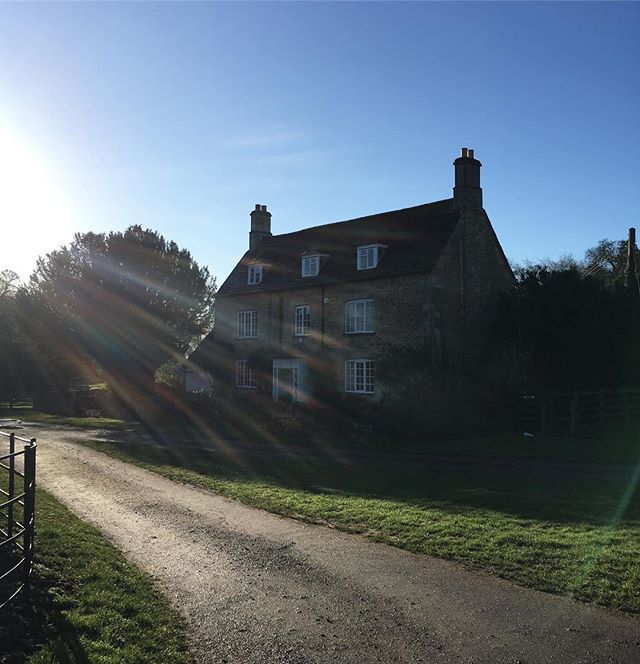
17 517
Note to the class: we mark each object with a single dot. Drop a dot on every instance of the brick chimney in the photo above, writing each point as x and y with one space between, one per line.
260 225
467 191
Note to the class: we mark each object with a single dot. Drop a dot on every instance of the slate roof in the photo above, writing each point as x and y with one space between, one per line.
414 237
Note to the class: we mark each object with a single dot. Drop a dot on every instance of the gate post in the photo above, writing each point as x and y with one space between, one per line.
11 488
29 510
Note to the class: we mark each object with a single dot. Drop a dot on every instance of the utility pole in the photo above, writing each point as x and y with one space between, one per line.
631 273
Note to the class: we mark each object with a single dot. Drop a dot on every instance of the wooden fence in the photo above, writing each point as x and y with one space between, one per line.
569 412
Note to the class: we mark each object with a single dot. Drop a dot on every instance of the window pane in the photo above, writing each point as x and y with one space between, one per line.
310 266
359 376
367 257
255 274
245 376
358 316
247 324
302 320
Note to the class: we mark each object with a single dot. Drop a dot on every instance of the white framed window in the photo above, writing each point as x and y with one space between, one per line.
302 321
254 274
311 265
359 376
247 324
369 256
245 377
358 316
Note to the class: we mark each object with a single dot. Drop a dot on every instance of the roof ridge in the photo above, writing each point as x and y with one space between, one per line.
368 216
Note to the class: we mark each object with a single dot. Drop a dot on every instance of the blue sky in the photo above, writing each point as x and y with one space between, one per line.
182 116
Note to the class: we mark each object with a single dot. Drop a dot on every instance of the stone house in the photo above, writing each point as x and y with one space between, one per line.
355 306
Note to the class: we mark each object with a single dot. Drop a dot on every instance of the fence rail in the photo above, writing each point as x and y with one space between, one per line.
570 412
17 514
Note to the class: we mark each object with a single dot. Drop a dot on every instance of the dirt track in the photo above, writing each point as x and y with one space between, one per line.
255 587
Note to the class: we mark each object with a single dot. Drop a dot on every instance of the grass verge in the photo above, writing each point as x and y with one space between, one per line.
554 529
88 603
28 414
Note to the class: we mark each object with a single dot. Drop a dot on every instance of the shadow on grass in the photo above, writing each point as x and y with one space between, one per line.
26 626
552 492
88 603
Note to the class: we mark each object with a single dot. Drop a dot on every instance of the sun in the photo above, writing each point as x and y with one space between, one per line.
34 216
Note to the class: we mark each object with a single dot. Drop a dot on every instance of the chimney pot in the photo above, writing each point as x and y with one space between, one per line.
467 191
260 225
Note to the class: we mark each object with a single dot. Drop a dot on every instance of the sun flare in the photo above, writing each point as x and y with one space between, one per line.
33 213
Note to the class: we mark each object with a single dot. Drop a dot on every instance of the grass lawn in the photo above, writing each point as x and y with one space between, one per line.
28 414
615 445
89 604
549 528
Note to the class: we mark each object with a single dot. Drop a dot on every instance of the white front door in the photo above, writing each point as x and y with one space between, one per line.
287 380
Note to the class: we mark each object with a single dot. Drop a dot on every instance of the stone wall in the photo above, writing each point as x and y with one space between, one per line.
465 287
399 320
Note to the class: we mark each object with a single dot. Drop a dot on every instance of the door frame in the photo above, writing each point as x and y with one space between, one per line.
295 367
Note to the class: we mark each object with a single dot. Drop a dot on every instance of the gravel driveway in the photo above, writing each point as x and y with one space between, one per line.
255 587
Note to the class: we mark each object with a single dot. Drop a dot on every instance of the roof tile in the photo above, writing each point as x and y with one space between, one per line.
414 238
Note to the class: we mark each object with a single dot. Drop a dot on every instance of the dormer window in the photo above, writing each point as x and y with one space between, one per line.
369 256
255 274
311 265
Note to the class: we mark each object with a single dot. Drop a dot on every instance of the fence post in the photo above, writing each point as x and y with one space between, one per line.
29 510
11 488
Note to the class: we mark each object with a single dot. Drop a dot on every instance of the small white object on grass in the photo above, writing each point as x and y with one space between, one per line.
527 434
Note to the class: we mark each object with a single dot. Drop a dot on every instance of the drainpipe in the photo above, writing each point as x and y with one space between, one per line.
281 321
322 317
